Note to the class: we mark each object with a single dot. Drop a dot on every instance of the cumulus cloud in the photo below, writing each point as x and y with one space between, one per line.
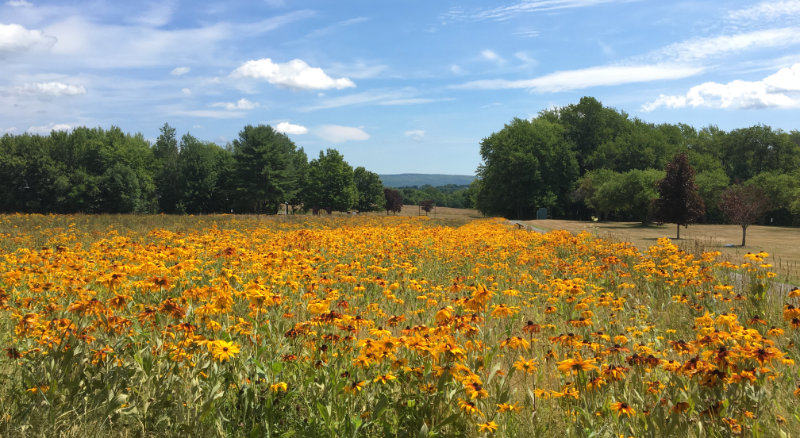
415 134
340 134
241 104
46 129
186 91
588 77
179 71
289 128
54 89
15 38
295 74
779 90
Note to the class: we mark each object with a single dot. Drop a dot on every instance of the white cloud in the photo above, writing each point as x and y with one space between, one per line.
156 15
526 59
295 74
180 71
336 26
528 33
19 4
588 77
768 10
406 96
186 91
46 129
522 7
211 114
456 69
10 130
780 90
289 128
702 48
340 134
241 104
415 134
358 70
492 56
15 38
54 89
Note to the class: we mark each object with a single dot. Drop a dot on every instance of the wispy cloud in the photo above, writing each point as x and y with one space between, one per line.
327 30
295 74
46 129
768 10
702 48
378 97
415 134
51 89
340 134
358 70
155 14
179 71
492 56
241 104
522 7
588 77
779 90
211 114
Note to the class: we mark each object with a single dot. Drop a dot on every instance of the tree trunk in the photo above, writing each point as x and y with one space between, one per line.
744 233
679 232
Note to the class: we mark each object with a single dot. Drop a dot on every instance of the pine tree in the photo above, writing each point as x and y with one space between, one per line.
678 199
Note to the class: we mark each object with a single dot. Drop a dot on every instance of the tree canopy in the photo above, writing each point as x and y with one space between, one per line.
678 199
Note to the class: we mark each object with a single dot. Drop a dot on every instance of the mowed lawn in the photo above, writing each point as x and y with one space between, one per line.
782 243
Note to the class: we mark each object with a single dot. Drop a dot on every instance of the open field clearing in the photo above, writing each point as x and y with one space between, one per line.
782 243
376 325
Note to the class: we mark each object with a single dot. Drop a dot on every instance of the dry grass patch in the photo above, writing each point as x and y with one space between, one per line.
782 243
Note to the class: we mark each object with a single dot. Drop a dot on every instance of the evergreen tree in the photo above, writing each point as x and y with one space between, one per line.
167 171
264 167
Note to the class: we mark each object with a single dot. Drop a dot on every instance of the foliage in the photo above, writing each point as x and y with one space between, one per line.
744 205
526 165
370 190
330 183
621 196
678 199
426 206
264 169
383 326
394 200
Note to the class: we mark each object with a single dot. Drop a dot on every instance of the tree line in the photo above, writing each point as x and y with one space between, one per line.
93 170
586 159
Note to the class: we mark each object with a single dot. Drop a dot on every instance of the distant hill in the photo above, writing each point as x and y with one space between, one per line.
420 179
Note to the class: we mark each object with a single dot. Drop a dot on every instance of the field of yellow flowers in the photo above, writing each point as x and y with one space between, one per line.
382 326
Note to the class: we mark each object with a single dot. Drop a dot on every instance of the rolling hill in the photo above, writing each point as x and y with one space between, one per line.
421 179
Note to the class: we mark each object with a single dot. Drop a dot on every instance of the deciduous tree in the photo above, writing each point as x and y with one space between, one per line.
744 205
370 190
330 183
678 199
394 200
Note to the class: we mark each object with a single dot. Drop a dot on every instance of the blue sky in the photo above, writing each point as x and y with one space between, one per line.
396 86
